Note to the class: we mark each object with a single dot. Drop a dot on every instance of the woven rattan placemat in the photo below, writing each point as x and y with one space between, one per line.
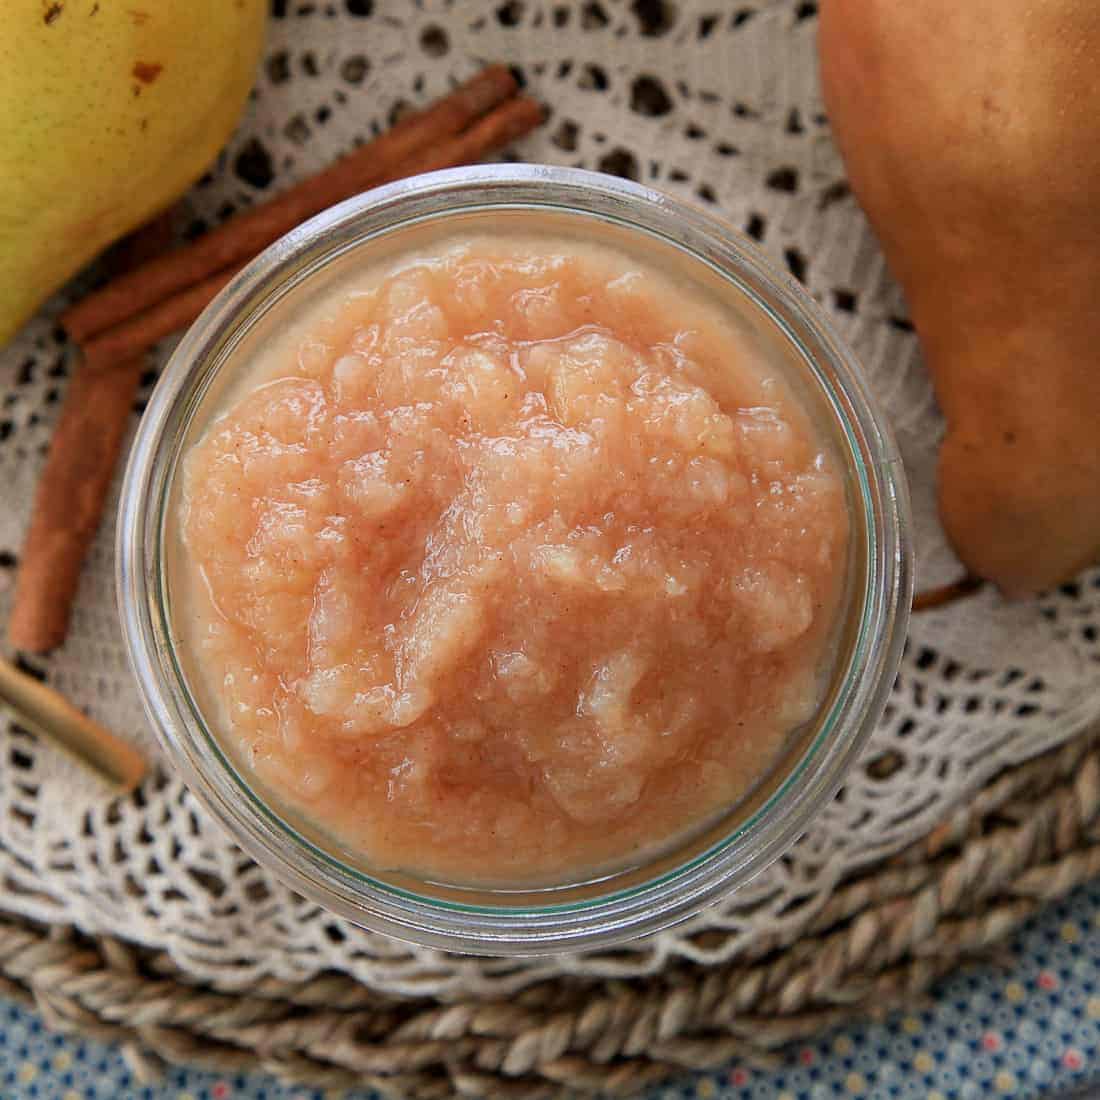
885 935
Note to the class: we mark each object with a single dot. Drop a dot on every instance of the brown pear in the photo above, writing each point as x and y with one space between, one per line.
971 136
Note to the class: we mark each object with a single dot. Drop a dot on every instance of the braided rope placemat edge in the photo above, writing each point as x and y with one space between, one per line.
883 937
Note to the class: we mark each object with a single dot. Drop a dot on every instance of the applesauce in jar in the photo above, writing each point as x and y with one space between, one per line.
512 560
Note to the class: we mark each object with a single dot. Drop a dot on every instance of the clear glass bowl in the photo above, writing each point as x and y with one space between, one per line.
717 857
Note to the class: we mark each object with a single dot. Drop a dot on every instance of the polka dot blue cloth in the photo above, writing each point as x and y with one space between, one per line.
1029 1031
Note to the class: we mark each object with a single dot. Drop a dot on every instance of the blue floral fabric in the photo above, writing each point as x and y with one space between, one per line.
1029 1031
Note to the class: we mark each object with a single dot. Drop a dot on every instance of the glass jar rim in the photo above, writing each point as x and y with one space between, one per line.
530 928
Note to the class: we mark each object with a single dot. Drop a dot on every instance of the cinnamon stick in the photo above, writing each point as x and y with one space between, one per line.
502 126
138 334
73 486
245 235
498 129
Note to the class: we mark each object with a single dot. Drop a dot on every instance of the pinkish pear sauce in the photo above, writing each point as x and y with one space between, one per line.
513 563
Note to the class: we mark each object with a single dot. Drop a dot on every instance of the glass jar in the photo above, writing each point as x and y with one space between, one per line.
716 858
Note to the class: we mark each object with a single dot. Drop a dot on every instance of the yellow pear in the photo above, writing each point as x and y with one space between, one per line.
109 110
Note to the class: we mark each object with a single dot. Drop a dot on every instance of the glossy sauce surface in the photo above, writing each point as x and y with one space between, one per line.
514 562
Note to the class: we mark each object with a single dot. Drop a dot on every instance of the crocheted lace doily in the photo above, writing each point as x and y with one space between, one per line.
716 101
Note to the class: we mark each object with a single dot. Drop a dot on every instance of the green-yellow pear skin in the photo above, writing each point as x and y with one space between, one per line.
109 111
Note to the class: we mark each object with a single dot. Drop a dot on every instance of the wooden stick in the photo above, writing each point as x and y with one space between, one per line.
43 711
245 235
73 486
497 129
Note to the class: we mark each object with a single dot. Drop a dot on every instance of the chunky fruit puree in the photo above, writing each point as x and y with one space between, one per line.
513 562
